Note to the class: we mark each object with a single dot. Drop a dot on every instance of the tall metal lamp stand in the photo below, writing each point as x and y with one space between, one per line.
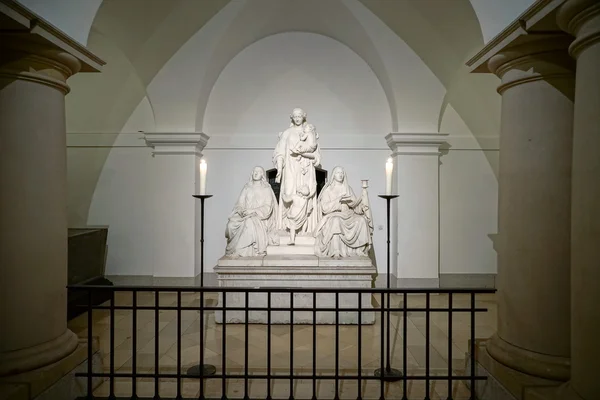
202 369
388 373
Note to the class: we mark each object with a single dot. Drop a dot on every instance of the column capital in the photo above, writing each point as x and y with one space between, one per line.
33 50
580 18
27 60
415 143
178 143
544 58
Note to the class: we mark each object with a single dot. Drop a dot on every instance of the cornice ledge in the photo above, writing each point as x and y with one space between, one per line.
415 143
48 34
176 143
517 32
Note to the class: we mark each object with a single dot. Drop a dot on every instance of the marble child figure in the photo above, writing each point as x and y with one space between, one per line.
252 223
295 156
346 227
306 144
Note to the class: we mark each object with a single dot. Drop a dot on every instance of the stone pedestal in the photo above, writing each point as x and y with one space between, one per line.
296 271
504 383
35 63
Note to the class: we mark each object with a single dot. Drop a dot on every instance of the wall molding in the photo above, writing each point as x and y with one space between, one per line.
416 143
337 142
179 143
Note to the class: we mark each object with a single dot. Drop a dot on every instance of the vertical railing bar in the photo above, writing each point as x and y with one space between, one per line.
291 345
382 346
246 345
179 344
201 366
359 346
314 354
134 345
337 344
473 394
449 346
404 345
156 343
388 347
224 349
112 346
427 343
268 345
90 322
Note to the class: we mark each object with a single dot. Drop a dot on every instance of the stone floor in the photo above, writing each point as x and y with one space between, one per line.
280 345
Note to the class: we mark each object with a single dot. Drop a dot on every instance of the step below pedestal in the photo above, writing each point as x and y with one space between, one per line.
301 240
304 245
287 250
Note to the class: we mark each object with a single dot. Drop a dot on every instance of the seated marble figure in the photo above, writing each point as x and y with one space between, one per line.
346 226
252 224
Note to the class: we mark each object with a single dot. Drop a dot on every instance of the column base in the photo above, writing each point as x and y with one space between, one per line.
57 380
18 361
531 363
505 383
566 392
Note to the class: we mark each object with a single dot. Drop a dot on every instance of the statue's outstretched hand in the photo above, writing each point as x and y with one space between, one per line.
278 176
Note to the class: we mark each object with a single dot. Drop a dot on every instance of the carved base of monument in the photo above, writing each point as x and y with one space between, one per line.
297 271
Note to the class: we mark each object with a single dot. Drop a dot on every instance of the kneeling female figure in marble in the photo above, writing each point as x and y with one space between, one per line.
252 224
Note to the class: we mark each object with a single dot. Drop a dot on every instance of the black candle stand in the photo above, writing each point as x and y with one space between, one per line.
202 369
388 373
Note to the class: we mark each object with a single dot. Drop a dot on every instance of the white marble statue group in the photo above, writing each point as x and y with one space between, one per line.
340 222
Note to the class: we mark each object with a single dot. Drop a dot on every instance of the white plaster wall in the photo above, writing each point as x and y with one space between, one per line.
418 92
124 197
177 86
468 200
258 89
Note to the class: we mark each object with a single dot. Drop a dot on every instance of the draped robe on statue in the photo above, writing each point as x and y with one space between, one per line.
345 229
296 212
250 234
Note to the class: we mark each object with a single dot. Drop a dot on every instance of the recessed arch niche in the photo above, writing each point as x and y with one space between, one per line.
267 79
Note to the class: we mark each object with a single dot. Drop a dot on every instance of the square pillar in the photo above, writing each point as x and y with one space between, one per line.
177 213
415 220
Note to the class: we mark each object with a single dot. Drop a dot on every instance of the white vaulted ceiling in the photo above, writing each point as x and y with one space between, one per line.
146 44
75 17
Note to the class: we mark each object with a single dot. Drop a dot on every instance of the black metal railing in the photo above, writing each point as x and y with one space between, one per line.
310 377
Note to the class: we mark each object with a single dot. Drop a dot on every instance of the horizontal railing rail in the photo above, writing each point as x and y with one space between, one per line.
358 373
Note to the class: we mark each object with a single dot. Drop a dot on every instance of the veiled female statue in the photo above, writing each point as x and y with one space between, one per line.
295 157
252 225
346 227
